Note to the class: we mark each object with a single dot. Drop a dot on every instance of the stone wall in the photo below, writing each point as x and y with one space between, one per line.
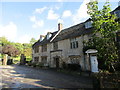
64 52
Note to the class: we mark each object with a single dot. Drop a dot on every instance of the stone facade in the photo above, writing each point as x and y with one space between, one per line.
64 53
65 46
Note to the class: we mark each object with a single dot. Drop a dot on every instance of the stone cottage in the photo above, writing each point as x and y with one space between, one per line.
65 45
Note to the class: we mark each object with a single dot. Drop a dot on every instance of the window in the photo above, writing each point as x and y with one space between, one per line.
73 43
36 59
49 35
55 45
44 59
44 48
74 60
37 49
88 24
117 13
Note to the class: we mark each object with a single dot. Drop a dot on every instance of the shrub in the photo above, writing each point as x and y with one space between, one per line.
74 67
40 64
34 64
29 63
64 65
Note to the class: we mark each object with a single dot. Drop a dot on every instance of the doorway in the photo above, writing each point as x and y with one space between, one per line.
94 63
56 59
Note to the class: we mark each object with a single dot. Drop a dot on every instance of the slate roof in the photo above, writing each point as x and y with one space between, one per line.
118 8
44 41
71 32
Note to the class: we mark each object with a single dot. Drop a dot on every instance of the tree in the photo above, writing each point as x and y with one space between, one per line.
4 41
104 24
32 41
27 47
10 50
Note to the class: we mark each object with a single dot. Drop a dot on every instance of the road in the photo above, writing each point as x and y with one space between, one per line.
16 76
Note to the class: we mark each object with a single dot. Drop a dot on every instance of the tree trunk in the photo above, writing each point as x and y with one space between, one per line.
5 59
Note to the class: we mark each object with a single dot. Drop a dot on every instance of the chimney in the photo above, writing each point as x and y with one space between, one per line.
41 37
59 26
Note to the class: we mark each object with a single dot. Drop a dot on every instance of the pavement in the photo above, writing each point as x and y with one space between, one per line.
20 77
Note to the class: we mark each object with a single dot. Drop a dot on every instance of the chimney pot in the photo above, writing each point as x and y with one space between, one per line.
59 26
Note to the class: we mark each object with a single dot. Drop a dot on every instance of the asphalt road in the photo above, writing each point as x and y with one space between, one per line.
27 77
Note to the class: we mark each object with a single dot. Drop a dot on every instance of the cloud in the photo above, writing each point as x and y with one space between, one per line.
52 15
37 23
9 31
40 10
66 13
60 21
24 39
81 13
33 18
60 0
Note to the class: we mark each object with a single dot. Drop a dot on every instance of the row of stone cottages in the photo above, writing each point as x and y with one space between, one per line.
65 45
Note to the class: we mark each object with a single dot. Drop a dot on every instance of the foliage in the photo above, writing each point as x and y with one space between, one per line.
32 41
25 48
40 64
19 46
106 80
103 21
29 63
16 49
104 24
27 52
4 41
10 50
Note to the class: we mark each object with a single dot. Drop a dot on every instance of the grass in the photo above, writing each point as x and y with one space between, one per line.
17 59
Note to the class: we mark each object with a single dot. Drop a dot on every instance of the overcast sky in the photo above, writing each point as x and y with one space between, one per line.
20 21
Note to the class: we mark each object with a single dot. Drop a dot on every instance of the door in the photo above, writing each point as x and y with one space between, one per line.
94 64
57 62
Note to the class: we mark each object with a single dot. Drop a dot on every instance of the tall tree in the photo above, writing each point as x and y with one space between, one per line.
104 24
4 41
32 41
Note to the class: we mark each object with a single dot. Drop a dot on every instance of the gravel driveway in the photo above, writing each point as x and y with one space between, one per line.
27 77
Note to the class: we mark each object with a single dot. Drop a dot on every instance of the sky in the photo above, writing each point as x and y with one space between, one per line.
22 20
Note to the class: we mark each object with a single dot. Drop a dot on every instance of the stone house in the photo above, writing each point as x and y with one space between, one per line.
64 46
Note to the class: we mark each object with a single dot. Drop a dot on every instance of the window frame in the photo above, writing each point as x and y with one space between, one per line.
36 49
55 46
44 48
36 59
73 43
88 24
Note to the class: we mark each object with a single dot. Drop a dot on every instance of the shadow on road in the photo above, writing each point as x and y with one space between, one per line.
28 77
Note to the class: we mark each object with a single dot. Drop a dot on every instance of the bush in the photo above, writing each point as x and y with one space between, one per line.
74 67
34 64
29 63
40 64
64 65
106 80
